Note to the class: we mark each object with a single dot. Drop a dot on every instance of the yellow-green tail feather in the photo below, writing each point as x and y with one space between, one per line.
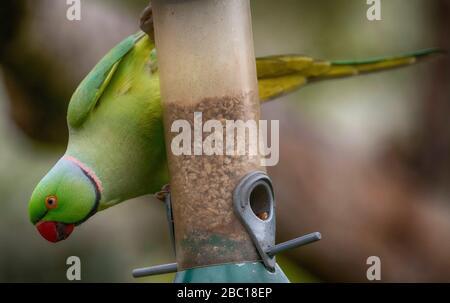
278 75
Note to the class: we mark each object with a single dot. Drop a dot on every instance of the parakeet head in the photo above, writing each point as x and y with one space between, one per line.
68 195
116 146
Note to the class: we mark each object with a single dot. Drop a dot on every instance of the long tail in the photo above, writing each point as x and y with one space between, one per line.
279 75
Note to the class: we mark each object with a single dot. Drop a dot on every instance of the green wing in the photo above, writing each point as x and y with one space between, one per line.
279 75
92 87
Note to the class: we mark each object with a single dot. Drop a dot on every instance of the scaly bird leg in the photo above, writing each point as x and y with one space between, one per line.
146 21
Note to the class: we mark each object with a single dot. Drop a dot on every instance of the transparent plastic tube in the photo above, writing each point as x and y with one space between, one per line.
207 66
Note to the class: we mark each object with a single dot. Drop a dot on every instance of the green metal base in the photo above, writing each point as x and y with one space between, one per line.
249 272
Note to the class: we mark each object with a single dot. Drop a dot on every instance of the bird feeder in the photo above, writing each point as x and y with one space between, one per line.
207 73
221 200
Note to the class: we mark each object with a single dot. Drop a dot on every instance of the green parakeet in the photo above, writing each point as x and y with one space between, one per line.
116 147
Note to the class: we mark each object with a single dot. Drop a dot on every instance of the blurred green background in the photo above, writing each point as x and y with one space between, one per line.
393 124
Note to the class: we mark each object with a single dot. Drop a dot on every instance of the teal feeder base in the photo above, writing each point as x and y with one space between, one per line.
248 272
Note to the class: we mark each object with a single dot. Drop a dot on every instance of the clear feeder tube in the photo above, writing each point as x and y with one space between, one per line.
207 66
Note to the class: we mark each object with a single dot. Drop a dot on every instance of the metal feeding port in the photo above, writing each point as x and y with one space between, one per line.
254 203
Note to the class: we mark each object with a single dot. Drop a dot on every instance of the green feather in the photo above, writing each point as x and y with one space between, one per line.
92 87
279 75
122 142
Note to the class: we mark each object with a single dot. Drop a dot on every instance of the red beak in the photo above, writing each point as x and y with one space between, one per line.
54 231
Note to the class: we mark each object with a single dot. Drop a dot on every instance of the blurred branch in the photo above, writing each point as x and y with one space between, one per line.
431 155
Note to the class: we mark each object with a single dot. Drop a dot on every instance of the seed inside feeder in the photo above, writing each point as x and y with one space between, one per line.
203 186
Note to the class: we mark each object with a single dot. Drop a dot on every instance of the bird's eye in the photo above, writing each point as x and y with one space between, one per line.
51 202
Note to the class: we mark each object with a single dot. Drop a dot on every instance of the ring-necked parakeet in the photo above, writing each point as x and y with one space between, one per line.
116 144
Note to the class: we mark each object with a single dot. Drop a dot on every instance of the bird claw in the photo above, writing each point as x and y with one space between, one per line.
162 194
146 21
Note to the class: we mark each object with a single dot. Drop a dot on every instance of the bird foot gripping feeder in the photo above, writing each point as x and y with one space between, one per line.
221 207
